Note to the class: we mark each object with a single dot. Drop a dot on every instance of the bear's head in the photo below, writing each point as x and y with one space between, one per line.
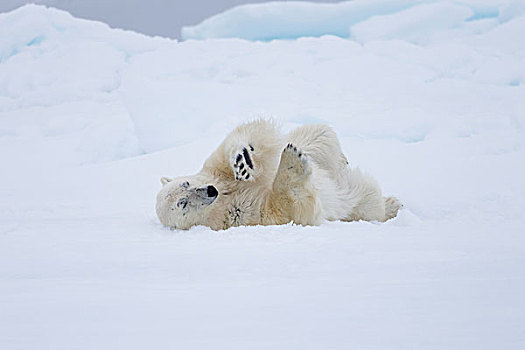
185 201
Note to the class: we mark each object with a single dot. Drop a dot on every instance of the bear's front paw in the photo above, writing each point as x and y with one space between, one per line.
242 164
294 160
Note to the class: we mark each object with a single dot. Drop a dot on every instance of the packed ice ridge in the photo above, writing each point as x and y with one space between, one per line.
295 19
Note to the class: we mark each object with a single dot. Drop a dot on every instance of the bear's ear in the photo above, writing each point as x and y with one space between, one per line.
164 180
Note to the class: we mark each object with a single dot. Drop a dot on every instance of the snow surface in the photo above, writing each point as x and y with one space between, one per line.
394 18
91 118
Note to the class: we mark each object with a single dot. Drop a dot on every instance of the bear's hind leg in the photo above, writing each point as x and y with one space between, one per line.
392 207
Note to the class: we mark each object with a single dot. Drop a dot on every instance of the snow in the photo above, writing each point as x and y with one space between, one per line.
417 24
289 19
393 19
91 118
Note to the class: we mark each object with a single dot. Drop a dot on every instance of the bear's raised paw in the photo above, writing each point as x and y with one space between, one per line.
294 160
242 164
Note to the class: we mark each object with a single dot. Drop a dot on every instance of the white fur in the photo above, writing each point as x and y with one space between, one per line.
302 177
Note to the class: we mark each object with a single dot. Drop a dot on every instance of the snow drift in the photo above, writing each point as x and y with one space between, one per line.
295 19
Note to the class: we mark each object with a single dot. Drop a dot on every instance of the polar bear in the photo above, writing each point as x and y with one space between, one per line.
258 177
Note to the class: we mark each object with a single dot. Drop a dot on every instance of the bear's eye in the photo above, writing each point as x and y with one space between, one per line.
182 203
185 184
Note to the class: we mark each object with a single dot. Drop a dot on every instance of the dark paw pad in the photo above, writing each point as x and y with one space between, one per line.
243 165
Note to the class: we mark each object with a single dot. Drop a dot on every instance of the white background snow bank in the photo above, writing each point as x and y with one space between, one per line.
90 118
295 19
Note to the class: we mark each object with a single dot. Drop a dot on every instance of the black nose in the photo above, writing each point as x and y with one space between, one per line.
212 191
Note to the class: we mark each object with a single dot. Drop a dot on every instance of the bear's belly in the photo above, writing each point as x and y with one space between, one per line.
243 214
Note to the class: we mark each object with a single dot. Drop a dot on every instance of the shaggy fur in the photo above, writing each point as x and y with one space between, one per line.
258 177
